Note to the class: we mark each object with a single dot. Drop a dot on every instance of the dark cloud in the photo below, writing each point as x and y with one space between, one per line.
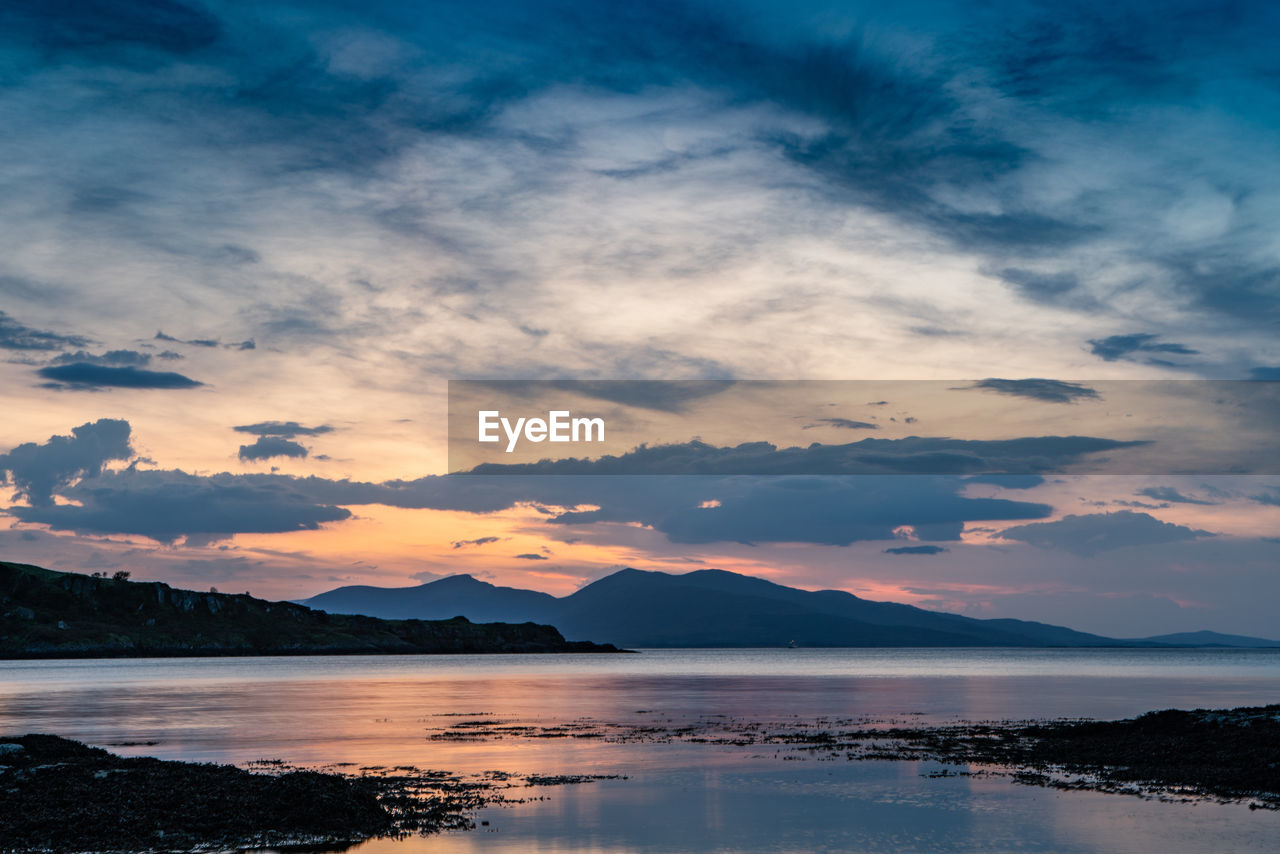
1224 283
40 470
288 429
481 541
1041 287
531 556
167 505
1132 347
1098 532
83 375
18 336
1050 391
911 455
915 550
1270 498
1168 493
826 510
271 446
105 29
829 511
848 424
112 358
29 289
1086 60
194 342
1267 374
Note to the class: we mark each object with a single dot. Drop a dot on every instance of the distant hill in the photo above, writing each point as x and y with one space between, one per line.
447 597
47 614
1212 639
714 608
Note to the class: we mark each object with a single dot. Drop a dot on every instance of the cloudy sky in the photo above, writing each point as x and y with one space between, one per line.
245 246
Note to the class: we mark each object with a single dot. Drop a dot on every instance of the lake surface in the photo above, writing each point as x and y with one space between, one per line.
385 710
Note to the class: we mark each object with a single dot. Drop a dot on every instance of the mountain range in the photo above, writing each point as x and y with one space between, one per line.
715 608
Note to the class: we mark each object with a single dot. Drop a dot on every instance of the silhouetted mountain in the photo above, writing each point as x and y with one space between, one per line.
479 601
1211 639
47 614
716 608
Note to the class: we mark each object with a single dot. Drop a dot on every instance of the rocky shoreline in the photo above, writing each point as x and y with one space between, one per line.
1225 755
61 795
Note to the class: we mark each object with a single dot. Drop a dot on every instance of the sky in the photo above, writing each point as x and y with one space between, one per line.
247 246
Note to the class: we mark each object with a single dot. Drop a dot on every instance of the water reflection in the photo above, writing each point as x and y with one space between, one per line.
679 797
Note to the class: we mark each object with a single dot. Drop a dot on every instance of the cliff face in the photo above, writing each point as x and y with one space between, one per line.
46 614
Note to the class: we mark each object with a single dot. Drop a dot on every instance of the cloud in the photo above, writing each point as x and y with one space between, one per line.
1099 532
848 424
111 357
1124 347
915 550
287 429
910 455
836 510
1265 373
531 556
1041 287
18 336
1050 391
109 30
833 510
195 342
83 375
271 446
40 470
1168 493
1269 498
827 510
480 541
167 505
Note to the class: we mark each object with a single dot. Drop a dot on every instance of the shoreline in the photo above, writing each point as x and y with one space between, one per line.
61 795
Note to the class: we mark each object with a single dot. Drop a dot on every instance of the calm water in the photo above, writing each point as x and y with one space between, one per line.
678 797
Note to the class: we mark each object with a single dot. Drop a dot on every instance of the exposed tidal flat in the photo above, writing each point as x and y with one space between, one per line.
727 750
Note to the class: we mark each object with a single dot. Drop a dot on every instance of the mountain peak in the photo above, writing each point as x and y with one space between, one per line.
460 578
